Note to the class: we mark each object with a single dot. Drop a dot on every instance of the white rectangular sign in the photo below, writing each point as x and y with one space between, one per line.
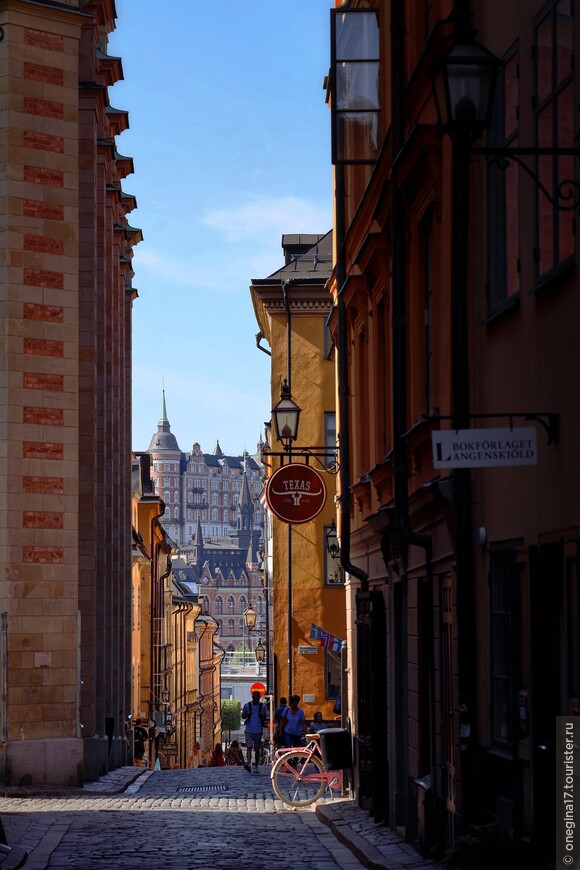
307 650
484 448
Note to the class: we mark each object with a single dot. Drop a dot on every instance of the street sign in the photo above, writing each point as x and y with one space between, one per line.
258 687
296 493
484 448
307 650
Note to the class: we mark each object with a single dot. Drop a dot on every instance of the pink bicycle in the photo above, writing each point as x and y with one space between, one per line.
298 775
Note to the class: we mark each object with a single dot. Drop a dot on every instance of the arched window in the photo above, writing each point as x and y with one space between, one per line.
219 604
190 498
226 499
214 498
243 604
166 497
230 604
176 497
205 604
260 604
176 513
225 516
214 516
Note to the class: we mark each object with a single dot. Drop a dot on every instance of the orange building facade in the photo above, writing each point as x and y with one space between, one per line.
455 303
305 588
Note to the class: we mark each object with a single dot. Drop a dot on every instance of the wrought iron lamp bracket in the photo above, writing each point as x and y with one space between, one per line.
324 457
567 197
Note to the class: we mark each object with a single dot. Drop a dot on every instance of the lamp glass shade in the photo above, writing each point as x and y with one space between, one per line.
286 415
260 652
463 87
250 618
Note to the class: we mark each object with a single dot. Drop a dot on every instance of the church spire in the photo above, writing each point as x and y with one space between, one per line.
164 410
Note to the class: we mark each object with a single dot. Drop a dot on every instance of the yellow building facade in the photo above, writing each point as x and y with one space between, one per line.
291 308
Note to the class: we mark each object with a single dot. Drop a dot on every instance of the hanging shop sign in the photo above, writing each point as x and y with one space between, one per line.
484 448
296 493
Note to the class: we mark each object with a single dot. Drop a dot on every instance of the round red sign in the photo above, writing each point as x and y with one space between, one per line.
296 493
258 687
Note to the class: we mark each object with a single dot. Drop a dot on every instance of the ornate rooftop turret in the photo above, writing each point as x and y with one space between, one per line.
164 439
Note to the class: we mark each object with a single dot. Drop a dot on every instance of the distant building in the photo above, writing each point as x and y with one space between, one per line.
206 488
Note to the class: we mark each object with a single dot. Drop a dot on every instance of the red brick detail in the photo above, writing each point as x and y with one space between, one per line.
38 381
50 313
45 108
37 209
42 450
43 347
43 39
48 485
44 142
44 278
43 416
42 520
39 175
52 75
50 555
44 244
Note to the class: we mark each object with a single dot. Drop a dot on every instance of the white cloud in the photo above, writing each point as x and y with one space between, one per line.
267 217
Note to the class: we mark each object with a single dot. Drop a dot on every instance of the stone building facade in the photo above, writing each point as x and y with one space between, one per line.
204 487
65 303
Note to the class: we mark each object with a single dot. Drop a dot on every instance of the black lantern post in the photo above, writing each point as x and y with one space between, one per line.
332 545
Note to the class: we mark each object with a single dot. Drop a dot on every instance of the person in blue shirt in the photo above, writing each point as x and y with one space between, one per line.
295 723
280 721
254 715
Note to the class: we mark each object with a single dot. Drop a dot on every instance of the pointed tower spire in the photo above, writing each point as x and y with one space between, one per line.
164 410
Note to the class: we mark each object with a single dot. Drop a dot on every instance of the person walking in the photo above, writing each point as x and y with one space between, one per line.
295 723
279 715
254 715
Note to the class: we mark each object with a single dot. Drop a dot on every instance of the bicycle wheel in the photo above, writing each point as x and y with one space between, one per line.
298 778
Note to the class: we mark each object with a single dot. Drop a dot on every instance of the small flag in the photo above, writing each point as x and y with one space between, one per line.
315 632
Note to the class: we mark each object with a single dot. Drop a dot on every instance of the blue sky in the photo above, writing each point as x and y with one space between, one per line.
230 137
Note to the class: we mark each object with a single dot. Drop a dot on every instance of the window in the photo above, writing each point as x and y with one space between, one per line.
503 585
426 234
166 497
175 497
355 76
330 436
230 604
176 513
554 125
503 206
166 481
214 516
219 605
332 672
230 626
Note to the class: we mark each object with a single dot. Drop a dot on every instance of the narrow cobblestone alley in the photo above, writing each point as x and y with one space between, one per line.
173 820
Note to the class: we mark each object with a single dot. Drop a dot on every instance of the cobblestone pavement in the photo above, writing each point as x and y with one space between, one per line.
210 818
215 819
